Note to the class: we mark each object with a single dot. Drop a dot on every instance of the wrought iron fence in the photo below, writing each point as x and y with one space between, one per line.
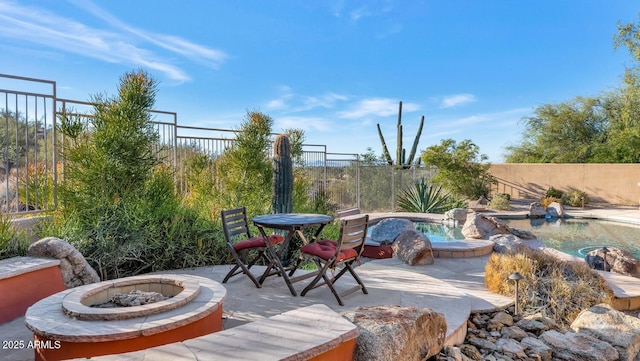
31 153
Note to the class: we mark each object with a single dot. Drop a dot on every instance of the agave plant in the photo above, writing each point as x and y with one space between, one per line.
423 197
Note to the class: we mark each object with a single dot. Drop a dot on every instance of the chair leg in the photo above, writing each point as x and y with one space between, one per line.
356 277
245 269
322 275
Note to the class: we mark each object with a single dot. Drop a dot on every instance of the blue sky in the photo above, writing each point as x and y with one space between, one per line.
333 68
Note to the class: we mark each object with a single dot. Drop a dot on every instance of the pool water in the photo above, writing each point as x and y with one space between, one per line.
574 236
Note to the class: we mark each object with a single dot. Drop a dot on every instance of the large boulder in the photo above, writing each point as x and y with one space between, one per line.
578 346
536 210
554 210
75 269
505 243
614 327
413 248
397 333
480 226
386 231
457 215
617 260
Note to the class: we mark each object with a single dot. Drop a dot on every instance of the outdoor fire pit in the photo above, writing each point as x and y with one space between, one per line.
69 325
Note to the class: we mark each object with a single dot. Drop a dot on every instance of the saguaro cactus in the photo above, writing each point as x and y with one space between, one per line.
282 201
400 152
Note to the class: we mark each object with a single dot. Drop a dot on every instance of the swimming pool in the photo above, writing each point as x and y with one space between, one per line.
575 236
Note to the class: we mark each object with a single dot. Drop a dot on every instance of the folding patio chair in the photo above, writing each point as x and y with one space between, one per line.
329 255
245 249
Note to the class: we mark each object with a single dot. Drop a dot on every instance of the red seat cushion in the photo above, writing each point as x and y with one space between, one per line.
326 249
257 242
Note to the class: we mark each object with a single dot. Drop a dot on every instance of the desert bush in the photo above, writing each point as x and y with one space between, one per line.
119 204
575 198
423 197
500 202
35 186
546 201
553 192
558 289
13 243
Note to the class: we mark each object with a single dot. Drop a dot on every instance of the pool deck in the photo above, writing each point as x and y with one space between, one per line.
451 286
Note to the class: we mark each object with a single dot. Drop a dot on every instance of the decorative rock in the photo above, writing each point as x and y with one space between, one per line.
614 327
480 226
500 320
555 210
537 347
532 326
511 347
398 333
505 243
618 260
514 332
547 323
578 346
75 269
458 215
471 352
483 344
413 248
536 210
386 231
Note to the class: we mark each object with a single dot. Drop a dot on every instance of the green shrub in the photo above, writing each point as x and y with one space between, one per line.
423 197
575 198
500 202
555 193
507 196
558 289
12 243
119 205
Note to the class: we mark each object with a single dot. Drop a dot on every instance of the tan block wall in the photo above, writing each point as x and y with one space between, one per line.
604 183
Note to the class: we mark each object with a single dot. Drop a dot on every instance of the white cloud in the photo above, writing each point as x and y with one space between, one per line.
306 123
458 99
120 44
359 13
292 102
381 107
495 117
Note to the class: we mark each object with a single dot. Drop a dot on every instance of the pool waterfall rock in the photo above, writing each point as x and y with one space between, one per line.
480 226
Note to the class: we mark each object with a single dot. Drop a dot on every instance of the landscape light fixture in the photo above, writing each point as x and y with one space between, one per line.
516 276
604 251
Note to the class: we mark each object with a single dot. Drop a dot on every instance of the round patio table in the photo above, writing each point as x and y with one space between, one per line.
291 223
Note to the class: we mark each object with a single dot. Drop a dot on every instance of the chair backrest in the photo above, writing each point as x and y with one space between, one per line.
353 232
234 223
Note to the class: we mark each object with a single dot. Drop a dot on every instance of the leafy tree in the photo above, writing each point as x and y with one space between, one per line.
460 167
568 132
602 129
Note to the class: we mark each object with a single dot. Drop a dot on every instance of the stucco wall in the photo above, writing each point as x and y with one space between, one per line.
604 183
